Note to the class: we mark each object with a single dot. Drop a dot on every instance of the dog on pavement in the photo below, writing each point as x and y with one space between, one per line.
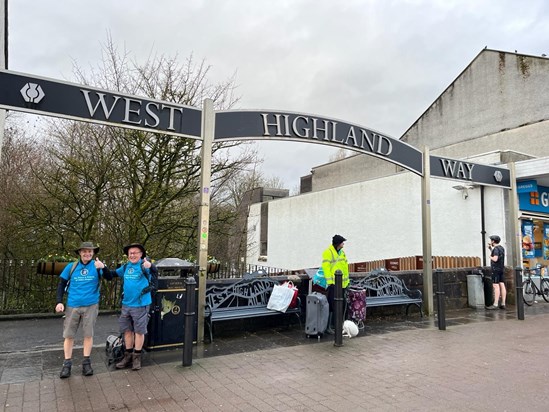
350 329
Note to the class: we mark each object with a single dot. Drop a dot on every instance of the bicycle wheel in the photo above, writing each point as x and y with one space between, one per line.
544 286
528 292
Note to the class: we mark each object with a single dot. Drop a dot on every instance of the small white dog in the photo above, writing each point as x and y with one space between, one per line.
350 329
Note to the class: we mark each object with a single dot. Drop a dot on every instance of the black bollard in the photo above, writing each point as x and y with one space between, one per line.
441 306
518 293
338 309
190 288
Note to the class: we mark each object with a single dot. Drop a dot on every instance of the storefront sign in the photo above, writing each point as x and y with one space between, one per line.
537 201
527 186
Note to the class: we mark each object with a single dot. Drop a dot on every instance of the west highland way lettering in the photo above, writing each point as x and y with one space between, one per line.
286 125
135 111
457 169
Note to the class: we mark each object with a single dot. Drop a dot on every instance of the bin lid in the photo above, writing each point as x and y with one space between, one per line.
174 263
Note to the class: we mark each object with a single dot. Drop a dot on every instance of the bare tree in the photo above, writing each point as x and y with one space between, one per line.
117 186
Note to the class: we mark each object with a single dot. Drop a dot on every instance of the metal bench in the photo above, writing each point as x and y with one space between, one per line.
384 289
246 298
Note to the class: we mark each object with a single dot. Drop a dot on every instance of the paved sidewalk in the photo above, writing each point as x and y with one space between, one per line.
492 365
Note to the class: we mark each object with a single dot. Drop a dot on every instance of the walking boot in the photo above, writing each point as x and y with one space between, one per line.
66 369
86 367
126 361
136 364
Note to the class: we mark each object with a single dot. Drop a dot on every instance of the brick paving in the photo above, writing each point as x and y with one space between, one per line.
493 365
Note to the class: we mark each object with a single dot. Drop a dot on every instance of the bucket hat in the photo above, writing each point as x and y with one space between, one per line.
137 245
87 245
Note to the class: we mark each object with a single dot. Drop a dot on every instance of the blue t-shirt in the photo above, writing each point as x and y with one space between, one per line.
134 282
84 284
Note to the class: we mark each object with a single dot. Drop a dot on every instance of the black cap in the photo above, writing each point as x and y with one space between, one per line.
337 240
495 238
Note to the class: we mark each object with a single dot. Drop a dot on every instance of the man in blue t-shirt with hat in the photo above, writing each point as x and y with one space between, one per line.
137 276
81 281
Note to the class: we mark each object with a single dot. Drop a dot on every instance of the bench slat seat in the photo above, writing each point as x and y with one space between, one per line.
384 289
247 298
241 312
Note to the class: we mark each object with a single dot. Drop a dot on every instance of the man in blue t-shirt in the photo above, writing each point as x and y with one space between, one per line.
81 281
137 275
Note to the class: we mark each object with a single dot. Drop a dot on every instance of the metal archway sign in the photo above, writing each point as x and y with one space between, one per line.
45 96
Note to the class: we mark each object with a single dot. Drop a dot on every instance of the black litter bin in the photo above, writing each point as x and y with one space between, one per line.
166 329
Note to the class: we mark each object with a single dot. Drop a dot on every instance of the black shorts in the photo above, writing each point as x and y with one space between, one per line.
498 277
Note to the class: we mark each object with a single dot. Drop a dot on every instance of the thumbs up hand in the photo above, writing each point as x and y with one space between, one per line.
98 264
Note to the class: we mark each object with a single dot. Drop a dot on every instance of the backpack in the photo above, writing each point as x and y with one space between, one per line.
115 348
73 268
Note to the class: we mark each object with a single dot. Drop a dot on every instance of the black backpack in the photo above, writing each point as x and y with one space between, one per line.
115 348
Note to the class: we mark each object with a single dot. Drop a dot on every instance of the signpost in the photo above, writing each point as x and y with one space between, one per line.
38 95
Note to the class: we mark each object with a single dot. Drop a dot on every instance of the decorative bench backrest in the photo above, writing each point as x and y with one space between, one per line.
244 293
380 284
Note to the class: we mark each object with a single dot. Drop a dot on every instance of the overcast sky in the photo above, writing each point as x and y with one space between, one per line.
377 63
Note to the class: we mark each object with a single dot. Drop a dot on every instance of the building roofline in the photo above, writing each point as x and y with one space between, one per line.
459 75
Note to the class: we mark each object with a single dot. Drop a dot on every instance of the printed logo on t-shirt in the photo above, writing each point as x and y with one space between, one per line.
85 275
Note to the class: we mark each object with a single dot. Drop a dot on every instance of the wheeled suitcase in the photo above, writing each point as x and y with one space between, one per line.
317 315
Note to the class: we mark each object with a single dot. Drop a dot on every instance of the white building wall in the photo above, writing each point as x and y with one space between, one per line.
381 219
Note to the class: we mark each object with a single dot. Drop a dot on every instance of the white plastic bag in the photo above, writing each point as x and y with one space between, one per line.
280 298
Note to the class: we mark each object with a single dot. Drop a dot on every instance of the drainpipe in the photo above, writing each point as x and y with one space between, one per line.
483 226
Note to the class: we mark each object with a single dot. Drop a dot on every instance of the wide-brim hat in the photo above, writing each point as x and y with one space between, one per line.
87 245
137 245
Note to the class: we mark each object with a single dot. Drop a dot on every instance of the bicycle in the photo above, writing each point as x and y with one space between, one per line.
530 290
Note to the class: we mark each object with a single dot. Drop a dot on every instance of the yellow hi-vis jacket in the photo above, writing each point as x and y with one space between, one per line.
332 261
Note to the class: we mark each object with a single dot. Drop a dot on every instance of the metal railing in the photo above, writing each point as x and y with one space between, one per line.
24 289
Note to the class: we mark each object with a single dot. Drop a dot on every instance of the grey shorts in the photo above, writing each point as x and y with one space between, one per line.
134 319
87 315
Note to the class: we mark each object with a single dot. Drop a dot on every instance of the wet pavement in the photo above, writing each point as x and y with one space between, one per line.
477 363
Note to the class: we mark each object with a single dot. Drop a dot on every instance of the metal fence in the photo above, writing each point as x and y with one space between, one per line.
24 289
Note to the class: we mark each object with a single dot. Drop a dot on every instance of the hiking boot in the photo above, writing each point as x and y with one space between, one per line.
136 362
86 368
502 307
66 370
125 362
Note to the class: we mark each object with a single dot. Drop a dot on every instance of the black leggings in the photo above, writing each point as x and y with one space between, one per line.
330 294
